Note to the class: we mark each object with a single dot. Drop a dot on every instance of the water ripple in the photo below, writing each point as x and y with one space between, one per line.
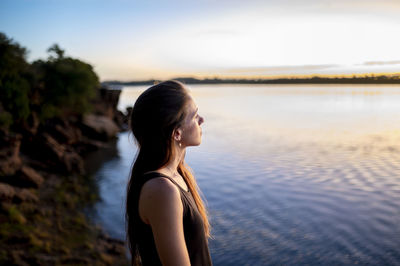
289 180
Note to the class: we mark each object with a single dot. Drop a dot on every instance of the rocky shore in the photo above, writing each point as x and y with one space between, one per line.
44 189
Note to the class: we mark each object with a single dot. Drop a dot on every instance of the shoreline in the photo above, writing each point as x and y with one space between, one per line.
361 80
45 188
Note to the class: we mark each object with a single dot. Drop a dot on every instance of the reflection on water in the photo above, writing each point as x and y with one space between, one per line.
292 174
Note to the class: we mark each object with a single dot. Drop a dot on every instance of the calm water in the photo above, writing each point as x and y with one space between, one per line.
292 174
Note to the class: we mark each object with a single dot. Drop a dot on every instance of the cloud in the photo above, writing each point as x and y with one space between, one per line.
274 69
381 63
218 32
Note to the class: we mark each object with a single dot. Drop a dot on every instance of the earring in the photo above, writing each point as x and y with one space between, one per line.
180 145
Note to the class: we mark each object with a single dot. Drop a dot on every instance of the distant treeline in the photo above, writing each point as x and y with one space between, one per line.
367 79
56 87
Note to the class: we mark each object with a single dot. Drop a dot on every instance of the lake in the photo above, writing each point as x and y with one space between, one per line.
292 174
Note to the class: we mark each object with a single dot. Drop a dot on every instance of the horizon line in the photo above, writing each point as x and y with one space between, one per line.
262 77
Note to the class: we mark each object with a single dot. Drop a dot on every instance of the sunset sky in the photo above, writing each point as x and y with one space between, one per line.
132 40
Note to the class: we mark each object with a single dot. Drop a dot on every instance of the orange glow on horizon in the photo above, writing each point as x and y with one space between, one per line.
271 77
300 76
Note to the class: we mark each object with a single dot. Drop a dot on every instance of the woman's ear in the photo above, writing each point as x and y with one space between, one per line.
177 134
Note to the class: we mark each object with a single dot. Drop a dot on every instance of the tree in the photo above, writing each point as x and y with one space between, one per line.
57 50
67 84
57 87
15 84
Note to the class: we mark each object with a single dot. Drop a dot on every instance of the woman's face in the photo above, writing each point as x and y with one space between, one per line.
191 130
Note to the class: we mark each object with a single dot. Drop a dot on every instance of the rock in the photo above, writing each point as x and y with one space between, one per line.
120 120
56 154
117 249
35 162
7 192
31 125
29 178
69 159
75 261
112 246
25 195
99 127
45 259
18 255
86 145
10 161
73 162
63 131
106 258
54 148
68 134
94 144
5 205
106 102
129 111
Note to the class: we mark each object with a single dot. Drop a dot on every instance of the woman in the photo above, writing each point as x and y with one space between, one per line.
166 218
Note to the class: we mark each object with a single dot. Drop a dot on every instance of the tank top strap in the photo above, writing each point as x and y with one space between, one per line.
149 175
186 196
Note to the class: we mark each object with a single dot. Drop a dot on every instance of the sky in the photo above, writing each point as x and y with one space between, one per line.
157 39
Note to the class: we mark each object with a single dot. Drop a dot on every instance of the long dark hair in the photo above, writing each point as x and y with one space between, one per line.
156 113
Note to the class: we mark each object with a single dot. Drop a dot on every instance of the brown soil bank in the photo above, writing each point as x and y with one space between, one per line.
44 190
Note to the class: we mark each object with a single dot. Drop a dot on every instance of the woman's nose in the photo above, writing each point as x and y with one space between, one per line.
201 120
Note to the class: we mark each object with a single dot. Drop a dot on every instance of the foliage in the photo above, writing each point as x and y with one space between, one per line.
57 50
6 119
67 85
14 81
15 215
57 87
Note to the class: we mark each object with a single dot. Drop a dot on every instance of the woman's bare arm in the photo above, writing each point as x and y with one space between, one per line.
160 206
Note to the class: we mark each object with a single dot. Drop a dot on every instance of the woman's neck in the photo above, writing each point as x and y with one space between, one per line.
172 165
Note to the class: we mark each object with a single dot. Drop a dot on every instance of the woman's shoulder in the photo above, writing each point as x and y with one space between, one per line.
159 199
160 187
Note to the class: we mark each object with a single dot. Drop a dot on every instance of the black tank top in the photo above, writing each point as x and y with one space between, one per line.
195 238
